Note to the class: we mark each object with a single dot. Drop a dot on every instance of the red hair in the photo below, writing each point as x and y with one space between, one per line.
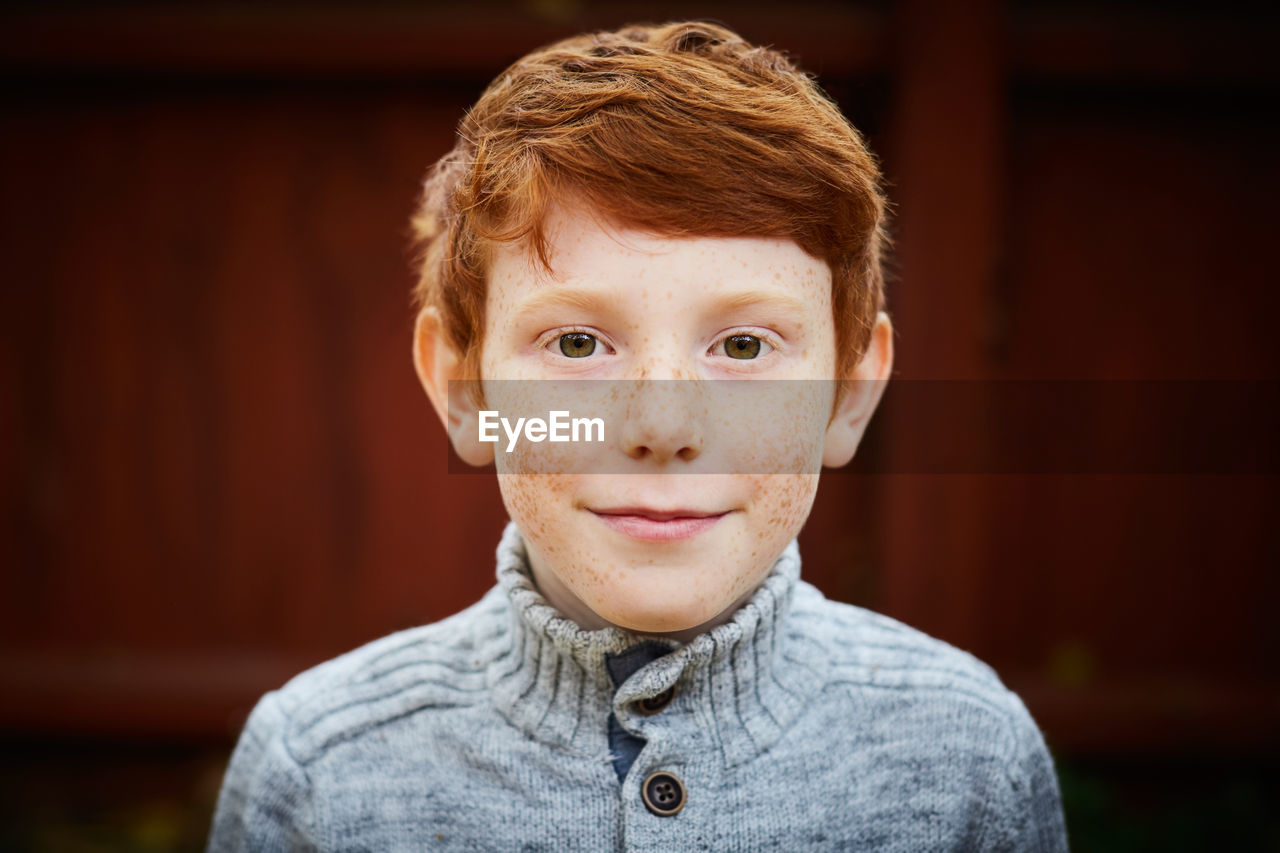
682 129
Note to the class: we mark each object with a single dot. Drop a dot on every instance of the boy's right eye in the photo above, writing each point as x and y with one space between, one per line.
577 344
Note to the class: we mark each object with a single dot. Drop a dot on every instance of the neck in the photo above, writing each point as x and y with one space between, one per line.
573 608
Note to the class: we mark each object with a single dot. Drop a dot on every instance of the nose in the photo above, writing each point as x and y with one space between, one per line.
664 419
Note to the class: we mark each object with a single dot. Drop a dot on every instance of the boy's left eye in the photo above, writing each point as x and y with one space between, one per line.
577 344
745 346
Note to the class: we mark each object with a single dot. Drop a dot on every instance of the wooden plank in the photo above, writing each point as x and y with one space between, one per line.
395 41
1156 714
945 158
1145 45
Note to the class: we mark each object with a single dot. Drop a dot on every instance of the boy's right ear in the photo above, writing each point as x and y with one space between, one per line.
438 364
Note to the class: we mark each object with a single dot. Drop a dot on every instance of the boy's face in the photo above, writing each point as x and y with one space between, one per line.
667 543
659 549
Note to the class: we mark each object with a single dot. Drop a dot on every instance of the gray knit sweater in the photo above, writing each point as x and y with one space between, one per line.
801 724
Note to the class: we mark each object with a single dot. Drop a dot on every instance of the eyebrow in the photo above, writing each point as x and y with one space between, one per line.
761 299
563 297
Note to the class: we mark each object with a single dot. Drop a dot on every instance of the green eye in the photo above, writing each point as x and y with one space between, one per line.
577 344
742 346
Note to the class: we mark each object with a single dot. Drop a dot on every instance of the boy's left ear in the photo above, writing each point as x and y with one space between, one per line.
862 391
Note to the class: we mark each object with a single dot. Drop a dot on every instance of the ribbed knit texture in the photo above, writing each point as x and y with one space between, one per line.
801 724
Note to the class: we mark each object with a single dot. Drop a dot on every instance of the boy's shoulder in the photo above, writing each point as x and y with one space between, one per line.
924 722
439 665
880 661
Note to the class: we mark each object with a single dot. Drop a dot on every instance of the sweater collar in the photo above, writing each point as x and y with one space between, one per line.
733 684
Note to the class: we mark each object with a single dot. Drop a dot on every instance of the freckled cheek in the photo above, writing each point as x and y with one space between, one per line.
789 438
773 521
542 505
784 505
538 503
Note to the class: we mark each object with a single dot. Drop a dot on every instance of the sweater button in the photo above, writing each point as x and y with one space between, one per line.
654 704
663 793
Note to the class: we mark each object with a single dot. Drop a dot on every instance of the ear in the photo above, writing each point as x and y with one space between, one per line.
438 365
862 392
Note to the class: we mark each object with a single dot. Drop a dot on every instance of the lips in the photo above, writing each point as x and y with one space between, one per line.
654 525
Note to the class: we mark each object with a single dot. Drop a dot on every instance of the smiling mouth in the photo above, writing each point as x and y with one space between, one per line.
658 525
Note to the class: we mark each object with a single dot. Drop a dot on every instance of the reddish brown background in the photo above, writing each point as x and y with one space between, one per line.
218 468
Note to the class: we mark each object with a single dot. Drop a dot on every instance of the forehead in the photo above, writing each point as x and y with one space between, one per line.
585 250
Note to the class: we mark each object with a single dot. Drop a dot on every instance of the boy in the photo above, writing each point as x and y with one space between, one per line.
657 203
